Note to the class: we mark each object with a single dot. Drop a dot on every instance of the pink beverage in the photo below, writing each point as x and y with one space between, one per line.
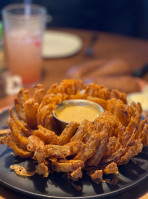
23 28
24 55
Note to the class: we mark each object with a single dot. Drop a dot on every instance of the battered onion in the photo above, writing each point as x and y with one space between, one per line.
98 147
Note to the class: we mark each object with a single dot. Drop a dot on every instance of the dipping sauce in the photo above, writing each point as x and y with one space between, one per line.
78 113
77 110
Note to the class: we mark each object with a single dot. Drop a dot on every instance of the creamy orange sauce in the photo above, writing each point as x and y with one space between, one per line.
77 113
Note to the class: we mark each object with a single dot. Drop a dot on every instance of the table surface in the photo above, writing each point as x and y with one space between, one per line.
108 46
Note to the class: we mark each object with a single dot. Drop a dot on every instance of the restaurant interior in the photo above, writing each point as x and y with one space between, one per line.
122 17
74 99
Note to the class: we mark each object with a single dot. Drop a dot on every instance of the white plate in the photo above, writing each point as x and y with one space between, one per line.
140 97
58 44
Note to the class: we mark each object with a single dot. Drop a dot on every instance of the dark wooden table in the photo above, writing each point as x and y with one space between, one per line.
108 46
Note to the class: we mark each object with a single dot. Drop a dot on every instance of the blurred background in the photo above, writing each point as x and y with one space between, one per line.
126 17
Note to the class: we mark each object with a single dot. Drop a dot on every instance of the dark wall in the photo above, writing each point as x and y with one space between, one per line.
128 17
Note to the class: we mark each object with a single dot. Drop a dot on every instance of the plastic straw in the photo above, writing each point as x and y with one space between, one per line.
27 7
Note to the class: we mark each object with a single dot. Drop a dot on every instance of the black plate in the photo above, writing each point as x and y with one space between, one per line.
55 186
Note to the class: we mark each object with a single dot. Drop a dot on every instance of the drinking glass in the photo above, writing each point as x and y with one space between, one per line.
24 26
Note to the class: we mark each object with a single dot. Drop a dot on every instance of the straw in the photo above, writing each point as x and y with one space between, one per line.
27 7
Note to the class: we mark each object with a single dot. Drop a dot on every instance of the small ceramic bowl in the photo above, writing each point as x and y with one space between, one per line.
75 102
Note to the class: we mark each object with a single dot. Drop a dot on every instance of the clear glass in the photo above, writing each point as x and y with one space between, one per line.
24 26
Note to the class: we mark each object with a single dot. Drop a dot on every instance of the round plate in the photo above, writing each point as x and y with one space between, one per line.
140 97
55 186
58 44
